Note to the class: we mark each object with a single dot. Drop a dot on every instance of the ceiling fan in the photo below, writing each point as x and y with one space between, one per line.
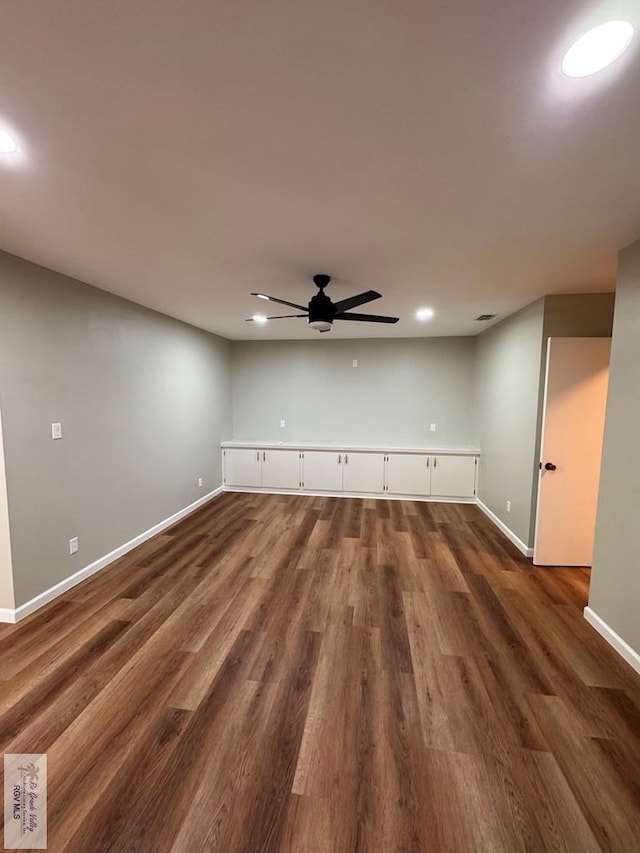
321 311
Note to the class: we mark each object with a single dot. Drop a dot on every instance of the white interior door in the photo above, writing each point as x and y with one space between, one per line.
574 407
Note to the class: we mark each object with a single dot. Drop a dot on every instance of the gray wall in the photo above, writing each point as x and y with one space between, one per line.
397 390
144 401
615 578
507 386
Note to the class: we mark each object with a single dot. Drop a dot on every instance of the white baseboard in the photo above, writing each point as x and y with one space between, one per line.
615 640
511 536
48 595
373 495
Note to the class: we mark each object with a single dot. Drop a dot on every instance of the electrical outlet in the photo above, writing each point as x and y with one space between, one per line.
355 362
199 482
73 545
283 424
56 431
432 427
508 506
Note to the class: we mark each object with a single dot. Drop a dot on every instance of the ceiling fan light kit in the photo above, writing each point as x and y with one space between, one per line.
321 325
321 311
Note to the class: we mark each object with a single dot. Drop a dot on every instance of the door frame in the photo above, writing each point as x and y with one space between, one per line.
7 593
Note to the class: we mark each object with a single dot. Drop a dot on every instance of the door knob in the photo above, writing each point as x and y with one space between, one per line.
549 466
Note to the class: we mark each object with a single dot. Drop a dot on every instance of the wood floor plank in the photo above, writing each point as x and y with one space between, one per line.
322 675
608 800
110 828
307 826
46 657
564 826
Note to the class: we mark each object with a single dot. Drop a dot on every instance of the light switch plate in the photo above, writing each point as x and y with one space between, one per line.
355 362
56 431
283 424
432 427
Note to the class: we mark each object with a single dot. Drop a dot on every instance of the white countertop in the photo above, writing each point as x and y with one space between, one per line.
352 448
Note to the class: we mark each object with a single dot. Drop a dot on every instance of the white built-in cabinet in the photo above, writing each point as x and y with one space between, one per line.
408 474
243 467
420 474
436 476
280 469
363 472
453 475
321 470
333 471
267 469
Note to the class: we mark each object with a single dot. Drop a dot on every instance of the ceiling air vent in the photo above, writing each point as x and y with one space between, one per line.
484 317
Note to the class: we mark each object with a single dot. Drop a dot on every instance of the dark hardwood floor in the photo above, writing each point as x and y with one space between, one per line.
302 674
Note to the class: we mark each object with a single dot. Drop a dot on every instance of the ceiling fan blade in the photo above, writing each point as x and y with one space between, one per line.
354 301
280 317
281 301
367 318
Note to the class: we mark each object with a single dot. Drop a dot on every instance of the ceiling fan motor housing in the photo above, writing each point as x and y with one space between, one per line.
321 308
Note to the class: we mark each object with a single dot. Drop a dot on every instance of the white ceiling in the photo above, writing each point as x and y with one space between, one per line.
183 154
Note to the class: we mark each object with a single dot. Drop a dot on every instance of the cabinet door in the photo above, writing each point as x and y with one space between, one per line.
242 467
322 470
408 474
363 472
280 469
453 476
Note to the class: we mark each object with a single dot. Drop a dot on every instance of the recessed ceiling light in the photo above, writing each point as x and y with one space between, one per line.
597 48
8 145
262 296
259 318
424 313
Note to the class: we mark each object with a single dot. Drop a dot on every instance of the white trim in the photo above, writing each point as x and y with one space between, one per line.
541 454
66 584
381 496
349 448
7 592
615 640
511 536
